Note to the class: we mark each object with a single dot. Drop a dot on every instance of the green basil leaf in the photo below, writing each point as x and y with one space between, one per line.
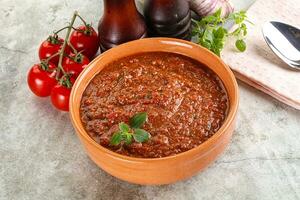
138 120
240 45
209 19
206 44
194 32
124 127
127 137
211 34
239 17
218 14
244 28
217 52
236 32
141 135
245 32
116 139
208 35
243 14
219 43
219 33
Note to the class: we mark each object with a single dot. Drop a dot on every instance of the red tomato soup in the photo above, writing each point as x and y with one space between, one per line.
186 103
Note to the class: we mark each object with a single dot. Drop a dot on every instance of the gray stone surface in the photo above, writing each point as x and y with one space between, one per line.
41 157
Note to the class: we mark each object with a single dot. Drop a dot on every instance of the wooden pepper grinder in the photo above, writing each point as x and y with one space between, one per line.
168 18
120 23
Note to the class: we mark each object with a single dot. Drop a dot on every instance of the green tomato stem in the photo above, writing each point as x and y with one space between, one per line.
55 33
54 55
72 47
81 19
60 68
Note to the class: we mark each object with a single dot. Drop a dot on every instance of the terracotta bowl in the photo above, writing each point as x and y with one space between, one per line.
159 170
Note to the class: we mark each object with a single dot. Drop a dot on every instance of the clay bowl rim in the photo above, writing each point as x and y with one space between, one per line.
211 141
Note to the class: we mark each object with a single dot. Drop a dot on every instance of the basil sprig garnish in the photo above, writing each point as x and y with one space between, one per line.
211 33
138 120
128 133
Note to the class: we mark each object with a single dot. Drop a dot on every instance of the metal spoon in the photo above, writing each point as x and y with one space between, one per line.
284 40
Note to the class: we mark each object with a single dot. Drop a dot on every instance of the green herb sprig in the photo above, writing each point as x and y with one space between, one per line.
128 133
211 34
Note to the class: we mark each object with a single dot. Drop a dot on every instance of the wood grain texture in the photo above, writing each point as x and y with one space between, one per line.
259 66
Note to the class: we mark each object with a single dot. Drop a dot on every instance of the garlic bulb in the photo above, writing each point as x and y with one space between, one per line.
207 7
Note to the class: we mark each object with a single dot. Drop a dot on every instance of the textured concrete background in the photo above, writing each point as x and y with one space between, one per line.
41 157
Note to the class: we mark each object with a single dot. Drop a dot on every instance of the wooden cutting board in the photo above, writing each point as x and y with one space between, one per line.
258 66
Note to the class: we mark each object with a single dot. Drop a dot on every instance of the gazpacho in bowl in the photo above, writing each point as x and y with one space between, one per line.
155 111
185 101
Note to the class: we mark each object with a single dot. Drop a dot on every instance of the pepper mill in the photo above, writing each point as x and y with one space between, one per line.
120 23
168 18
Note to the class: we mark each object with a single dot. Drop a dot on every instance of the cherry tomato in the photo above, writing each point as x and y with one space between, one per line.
41 81
74 64
60 96
50 47
85 39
